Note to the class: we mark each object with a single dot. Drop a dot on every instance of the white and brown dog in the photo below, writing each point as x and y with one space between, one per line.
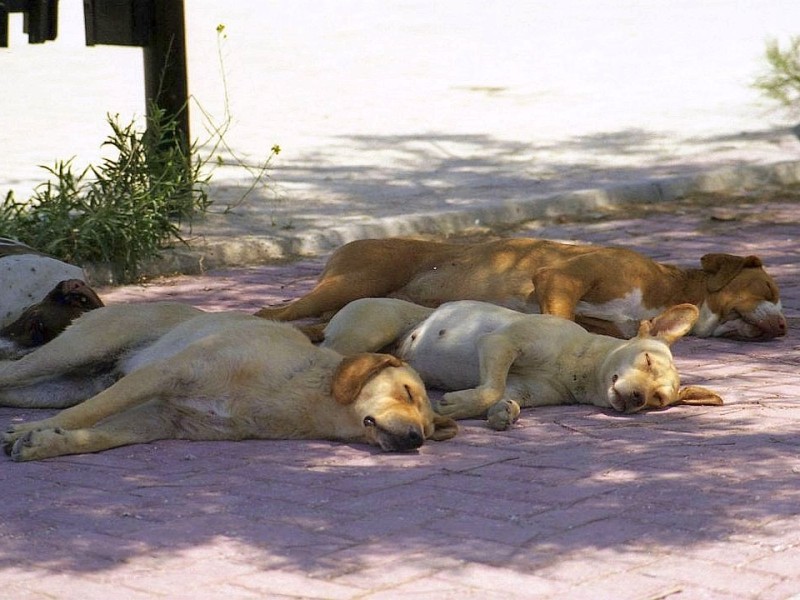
170 371
491 359
607 290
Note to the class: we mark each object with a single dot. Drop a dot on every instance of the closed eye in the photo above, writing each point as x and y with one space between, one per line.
409 393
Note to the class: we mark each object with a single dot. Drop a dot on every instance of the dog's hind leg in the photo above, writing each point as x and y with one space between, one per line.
496 353
61 392
139 425
330 294
558 291
371 324
360 269
149 382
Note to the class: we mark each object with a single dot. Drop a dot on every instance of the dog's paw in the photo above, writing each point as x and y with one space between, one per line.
11 435
14 432
502 415
463 404
35 445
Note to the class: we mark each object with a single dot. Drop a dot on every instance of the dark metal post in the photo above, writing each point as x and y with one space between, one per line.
165 76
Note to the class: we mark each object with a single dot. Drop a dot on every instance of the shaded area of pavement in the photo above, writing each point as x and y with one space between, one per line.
572 502
440 118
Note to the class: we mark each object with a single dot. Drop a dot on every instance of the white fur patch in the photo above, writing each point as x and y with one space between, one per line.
706 323
709 324
625 312
27 278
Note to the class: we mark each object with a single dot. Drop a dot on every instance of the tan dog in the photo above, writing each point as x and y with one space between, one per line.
185 374
608 290
492 358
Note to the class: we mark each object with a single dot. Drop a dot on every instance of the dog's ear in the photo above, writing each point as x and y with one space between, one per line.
698 396
722 268
354 371
672 324
444 428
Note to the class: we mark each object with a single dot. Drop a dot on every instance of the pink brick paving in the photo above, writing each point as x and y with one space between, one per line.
573 502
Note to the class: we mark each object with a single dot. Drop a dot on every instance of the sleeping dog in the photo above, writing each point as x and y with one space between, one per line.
492 359
41 322
608 290
138 373
39 297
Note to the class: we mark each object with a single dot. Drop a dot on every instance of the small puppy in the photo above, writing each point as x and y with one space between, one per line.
492 359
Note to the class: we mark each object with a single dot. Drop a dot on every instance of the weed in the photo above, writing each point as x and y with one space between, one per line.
782 82
121 212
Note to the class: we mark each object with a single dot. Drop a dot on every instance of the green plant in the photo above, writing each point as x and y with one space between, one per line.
782 82
217 142
121 212
131 206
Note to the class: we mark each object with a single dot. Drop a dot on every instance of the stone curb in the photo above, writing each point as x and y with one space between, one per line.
249 249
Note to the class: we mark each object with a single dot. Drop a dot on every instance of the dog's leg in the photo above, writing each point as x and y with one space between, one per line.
503 414
96 338
604 327
136 426
496 353
60 392
76 347
558 291
360 269
151 381
328 296
371 324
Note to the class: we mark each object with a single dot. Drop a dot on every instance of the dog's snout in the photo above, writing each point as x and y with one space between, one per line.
776 326
412 440
415 438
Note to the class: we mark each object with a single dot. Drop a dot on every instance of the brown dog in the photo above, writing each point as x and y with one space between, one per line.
41 322
607 290
170 371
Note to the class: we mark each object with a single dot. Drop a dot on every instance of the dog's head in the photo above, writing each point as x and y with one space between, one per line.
641 373
742 300
41 322
390 402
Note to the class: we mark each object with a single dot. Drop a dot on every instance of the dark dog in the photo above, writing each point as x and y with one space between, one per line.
28 317
41 322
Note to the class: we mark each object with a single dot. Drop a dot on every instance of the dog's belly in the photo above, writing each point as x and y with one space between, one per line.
444 348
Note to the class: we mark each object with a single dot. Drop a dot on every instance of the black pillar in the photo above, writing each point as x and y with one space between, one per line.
165 76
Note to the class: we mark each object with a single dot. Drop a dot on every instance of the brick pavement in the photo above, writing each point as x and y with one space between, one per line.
692 502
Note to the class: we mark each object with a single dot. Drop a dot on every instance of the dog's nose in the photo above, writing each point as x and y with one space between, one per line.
415 438
778 329
635 401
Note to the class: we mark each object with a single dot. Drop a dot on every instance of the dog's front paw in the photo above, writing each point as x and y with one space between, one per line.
502 415
11 435
35 445
465 404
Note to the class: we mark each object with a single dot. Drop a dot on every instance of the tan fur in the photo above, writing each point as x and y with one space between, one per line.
576 282
185 374
490 358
